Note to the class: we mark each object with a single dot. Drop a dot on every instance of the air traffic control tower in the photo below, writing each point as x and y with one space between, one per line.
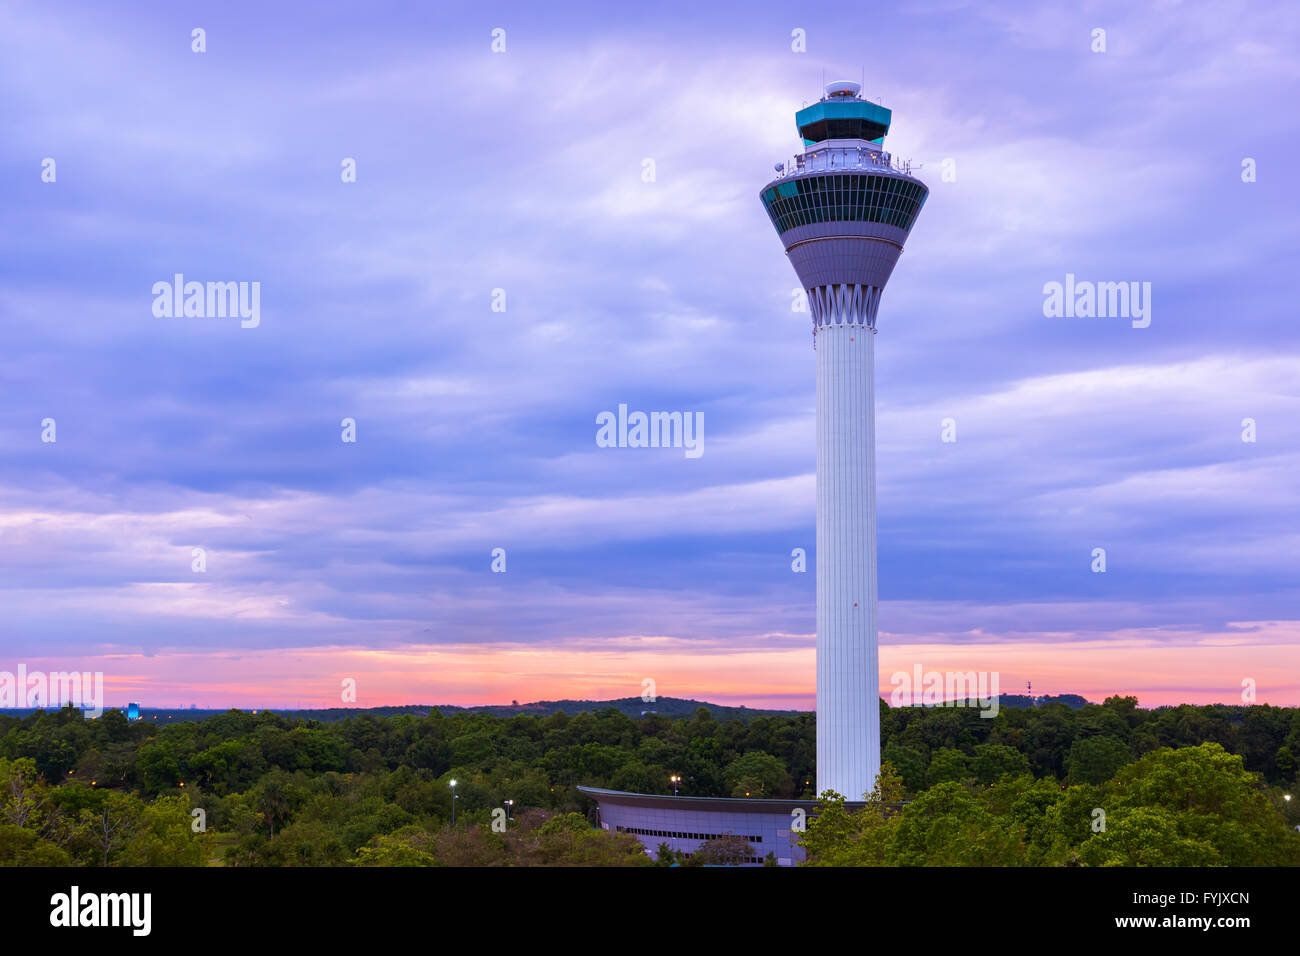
843 209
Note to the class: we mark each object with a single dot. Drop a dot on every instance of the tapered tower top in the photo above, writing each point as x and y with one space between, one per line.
843 208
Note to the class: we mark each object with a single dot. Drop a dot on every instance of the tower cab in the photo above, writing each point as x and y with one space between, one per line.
841 114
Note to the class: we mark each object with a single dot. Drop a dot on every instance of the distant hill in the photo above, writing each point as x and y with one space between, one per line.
671 707
632 706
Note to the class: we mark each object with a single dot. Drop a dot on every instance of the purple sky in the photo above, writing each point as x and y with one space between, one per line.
522 171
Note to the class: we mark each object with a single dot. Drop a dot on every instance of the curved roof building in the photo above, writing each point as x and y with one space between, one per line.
685 823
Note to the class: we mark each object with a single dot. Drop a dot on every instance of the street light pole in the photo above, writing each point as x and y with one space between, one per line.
453 803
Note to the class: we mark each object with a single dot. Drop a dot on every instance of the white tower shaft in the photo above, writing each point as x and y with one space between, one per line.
848 679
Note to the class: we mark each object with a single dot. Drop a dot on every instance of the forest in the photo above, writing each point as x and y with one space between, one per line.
1188 785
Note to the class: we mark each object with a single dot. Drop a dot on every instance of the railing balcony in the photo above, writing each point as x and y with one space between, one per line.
867 158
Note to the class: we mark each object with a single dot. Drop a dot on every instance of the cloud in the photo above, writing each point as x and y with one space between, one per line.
523 173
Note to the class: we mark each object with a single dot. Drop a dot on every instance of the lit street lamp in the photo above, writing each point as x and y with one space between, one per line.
675 781
454 798
509 808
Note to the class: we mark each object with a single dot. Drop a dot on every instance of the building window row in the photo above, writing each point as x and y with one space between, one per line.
676 835
844 198
743 859
847 128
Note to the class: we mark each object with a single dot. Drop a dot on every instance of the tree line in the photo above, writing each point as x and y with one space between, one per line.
263 789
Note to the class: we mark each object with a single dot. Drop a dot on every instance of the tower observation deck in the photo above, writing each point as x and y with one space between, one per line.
843 209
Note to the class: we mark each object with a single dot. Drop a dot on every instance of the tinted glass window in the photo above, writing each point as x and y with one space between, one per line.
844 198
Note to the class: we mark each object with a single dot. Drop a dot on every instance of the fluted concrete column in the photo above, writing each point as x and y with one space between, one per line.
848 712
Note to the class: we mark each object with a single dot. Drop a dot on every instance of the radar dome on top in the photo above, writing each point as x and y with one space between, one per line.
843 88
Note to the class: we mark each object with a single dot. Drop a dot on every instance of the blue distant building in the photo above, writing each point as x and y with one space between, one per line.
133 711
